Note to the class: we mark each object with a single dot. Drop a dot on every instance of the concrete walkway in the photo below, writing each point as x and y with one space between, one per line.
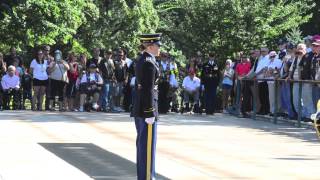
81 146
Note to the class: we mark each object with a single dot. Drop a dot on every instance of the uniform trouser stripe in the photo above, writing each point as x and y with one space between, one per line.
142 137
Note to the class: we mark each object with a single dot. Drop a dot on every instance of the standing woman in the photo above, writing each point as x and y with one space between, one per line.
227 83
58 74
38 69
73 75
81 70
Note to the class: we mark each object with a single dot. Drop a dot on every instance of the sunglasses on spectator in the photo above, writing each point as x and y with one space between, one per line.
272 56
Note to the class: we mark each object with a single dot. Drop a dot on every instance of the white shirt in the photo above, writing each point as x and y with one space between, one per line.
128 62
39 70
262 63
189 84
211 62
275 64
10 82
92 77
59 72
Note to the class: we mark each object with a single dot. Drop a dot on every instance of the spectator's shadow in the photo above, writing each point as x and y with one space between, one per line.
94 161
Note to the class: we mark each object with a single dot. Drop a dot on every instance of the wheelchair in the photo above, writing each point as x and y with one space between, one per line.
191 107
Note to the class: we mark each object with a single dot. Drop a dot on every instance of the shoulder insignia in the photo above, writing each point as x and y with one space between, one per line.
148 58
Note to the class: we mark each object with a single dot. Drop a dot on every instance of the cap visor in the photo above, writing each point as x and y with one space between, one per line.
158 43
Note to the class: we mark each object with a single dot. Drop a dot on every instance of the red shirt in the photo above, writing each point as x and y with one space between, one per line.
73 75
243 68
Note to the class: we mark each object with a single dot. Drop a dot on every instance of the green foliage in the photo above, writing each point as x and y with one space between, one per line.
119 25
230 26
37 22
295 36
188 26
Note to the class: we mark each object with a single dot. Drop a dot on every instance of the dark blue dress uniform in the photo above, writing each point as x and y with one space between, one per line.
210 78
145 105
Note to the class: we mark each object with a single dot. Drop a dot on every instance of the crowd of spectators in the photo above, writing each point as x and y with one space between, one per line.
106 81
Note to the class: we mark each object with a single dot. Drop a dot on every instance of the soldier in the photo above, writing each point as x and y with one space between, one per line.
210 78
145 110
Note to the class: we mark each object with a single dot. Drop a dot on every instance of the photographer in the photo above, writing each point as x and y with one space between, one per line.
11 84
90 85
58 75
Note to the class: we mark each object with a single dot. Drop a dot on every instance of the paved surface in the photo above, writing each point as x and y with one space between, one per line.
82 146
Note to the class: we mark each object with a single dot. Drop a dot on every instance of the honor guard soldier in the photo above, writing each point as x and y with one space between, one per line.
210 78
145 108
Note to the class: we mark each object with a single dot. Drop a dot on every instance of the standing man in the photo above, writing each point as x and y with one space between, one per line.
309 66
145 108
106 68
210 78
120 73
95 58
164 84
10 58
261 69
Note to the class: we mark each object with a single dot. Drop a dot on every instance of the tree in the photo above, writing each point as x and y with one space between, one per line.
37 22
120 24
230 26
312 27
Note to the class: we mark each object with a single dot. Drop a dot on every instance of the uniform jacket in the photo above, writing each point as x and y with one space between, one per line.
145 103
210 76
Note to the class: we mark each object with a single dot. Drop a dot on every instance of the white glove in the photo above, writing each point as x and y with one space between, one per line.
150 120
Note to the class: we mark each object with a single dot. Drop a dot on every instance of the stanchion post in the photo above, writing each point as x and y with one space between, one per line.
275 118
238 96
254 103
299 104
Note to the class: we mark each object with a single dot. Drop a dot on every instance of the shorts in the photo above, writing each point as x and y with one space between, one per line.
71 90
226 86
37 82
